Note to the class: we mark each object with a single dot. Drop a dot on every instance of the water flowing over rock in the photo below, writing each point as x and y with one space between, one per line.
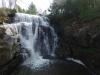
35 40
36 37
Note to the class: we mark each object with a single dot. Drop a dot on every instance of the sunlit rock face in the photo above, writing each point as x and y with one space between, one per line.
10 45
7 46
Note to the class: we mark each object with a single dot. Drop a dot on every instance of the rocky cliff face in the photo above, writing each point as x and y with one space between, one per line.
11 53
7 46
79 40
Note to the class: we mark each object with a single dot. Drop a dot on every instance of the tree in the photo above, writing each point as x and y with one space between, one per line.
31 9
83 9
19 9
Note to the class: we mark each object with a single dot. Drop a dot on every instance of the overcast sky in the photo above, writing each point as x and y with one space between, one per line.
41 5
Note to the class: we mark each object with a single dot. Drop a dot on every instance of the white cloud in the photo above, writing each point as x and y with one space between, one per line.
40 4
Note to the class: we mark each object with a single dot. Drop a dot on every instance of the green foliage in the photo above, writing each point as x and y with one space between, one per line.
19 9
32 9
82 9
4 12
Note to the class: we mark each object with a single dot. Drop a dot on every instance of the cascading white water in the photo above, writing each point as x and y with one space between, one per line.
36 35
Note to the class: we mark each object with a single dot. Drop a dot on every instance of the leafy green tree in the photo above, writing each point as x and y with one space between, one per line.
31 9
19 9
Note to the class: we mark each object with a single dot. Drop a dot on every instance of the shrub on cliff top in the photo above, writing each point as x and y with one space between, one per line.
4 12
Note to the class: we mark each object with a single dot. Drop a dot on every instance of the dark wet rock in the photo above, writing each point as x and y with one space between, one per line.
10 66
45 34
11 16
23 31
79 40
24 53
84 38
96 40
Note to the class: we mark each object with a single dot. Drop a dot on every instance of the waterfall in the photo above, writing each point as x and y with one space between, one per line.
36 35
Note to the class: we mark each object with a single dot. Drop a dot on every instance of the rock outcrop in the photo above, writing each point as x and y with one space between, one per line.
11 53
7 47
79 40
